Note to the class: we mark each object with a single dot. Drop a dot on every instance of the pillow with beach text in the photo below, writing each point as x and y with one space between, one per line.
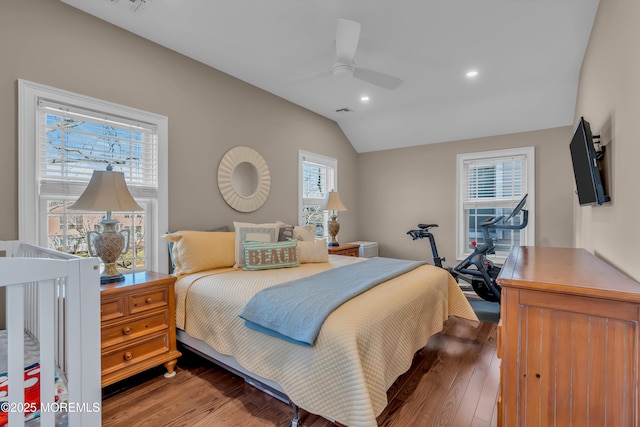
269 255
248 232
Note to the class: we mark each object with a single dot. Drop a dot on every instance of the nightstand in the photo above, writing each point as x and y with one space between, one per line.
138 326
346 249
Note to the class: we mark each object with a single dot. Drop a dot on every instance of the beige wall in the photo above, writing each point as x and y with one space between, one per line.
404 187
609 98
387 192
48 42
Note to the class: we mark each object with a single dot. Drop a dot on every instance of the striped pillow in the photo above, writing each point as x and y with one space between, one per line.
268 255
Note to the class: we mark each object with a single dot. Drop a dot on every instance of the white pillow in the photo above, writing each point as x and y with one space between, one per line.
246 231
314 251
305 233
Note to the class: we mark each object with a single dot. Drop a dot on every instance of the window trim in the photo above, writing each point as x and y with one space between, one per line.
28 195
307 156
529 231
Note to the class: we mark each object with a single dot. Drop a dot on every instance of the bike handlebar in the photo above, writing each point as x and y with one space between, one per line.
525 221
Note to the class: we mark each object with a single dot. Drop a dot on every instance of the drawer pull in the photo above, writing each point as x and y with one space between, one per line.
128 356
126 330
148 300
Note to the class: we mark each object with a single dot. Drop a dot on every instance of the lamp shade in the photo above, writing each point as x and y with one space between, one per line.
107 191
332 202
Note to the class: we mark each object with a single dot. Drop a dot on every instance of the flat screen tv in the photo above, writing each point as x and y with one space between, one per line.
585 166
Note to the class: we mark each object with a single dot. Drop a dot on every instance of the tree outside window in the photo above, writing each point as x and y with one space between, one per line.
318 175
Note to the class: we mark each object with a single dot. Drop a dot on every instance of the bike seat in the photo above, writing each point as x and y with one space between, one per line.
426 226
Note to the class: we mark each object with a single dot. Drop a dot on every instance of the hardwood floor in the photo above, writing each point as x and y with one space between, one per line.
453 382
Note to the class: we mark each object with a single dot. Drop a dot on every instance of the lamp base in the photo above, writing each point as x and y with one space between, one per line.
334 227
111 274
109 245
111 279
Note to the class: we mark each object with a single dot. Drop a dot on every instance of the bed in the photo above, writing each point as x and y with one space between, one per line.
361 349
51 345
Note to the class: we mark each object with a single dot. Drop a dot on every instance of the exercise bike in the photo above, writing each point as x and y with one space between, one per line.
476 269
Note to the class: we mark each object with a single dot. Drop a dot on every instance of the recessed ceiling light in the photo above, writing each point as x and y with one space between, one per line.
364 98
472 73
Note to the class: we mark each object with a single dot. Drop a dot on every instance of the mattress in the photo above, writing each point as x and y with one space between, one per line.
362 348
31 380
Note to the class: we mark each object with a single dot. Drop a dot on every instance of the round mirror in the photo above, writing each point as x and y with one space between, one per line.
243 179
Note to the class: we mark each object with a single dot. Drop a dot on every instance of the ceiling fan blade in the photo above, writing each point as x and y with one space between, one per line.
347 36
376 78
317 74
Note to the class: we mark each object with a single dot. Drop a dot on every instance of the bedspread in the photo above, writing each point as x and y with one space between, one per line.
295 311
363 346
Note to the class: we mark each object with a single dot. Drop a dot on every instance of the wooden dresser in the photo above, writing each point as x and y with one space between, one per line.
137 325
568 340
347 249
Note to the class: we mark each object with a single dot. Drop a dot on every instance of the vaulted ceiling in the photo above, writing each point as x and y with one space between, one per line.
527 55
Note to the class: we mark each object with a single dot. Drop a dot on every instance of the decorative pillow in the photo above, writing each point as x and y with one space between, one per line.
285 232
264 256
305 232
245 231
315 251
195 251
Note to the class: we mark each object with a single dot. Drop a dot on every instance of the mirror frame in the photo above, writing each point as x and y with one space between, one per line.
227 166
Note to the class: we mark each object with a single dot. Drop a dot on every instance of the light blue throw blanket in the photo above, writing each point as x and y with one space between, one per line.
295 310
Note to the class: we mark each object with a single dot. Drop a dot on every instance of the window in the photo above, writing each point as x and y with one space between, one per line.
317 175
63 138
491 184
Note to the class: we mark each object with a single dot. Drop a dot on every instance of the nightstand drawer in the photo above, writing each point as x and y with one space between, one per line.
134 328
112 309
131 354
148 300
345 249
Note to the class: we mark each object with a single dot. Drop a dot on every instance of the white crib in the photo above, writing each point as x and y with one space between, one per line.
55 298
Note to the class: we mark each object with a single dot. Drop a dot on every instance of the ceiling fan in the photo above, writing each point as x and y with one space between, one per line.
347 36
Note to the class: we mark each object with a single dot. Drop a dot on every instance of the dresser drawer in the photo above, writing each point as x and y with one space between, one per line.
134 353
144 301
112 309
134 328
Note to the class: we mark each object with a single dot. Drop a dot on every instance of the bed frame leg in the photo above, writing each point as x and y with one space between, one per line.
296 415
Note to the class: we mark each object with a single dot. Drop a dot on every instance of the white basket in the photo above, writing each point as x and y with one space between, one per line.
367 249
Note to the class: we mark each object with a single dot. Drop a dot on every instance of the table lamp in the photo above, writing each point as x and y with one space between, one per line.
107 191
333 203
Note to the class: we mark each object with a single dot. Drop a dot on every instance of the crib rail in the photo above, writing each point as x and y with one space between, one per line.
32 313
55 298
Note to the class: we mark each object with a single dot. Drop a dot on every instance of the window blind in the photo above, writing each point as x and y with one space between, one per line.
73 142
317 181
494 182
